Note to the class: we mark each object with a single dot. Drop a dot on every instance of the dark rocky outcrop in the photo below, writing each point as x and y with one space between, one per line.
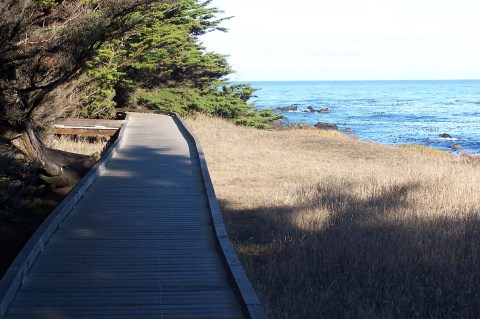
326 126
294 108
445 135
310 109
291 108
457 147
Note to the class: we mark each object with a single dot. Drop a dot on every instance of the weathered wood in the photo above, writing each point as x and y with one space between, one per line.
87 127
142 241
85 131
91 122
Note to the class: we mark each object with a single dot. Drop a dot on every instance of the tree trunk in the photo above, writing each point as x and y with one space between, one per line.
57 167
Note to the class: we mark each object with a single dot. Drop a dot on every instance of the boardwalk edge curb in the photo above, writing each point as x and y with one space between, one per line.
20 267
253 306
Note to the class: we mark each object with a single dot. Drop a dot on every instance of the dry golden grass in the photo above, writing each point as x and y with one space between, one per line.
426 150
339 228
324 133
79 145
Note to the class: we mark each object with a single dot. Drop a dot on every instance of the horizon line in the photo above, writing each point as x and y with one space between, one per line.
389 80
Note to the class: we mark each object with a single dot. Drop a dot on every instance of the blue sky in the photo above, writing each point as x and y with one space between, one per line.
350 39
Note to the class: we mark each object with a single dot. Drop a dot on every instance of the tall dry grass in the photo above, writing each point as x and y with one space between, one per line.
330 227
79 145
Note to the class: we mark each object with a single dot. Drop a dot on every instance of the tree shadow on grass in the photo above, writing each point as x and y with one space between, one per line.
365 261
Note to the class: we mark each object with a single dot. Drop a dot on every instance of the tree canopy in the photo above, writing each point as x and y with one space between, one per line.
161 64
45 44
87 57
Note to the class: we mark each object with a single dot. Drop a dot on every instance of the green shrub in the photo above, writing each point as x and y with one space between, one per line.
228 103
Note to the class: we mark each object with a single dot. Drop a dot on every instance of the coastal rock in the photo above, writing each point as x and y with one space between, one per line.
291 108
457 147
445 135
348 130
326 126
294 108
298 126
277 124
310 109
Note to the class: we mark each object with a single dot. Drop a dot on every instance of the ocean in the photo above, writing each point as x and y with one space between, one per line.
388 112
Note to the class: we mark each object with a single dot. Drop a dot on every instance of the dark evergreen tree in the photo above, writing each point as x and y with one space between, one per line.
162 63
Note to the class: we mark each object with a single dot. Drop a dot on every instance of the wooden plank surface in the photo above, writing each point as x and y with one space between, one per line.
87 127
140 244
90 122
82 131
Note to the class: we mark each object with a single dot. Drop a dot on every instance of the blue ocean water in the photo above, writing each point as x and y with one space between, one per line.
389 112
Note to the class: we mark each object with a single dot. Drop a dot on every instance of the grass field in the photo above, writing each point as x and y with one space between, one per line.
329 226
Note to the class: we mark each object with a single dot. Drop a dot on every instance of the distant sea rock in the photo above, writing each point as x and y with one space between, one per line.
294 108
445 135
457 147
291 108
326 126
310 109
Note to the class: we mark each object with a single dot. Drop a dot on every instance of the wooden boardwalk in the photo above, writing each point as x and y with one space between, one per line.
142 241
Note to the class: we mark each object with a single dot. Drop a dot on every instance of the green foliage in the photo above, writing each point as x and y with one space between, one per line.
257 119
104 76
161 57
47 3
91 2
164 51
170 99
225 103
159 51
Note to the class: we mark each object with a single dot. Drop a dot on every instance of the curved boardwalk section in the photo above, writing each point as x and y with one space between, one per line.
141 242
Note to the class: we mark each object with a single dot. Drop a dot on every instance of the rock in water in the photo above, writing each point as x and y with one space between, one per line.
457 147
445 135
291 108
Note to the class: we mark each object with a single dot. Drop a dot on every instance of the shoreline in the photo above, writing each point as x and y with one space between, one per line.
454 149
388 112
